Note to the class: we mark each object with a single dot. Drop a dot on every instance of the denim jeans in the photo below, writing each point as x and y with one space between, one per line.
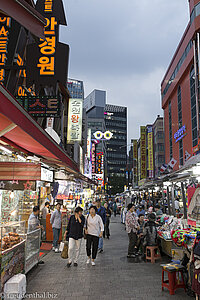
56 234
100 243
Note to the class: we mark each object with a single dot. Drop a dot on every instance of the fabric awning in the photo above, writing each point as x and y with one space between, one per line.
26 15
19 129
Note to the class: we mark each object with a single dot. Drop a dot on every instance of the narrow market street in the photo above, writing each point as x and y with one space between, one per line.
112 277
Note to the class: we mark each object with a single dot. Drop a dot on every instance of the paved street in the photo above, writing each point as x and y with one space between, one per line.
112 277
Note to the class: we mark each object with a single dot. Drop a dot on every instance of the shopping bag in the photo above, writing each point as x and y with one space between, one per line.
64 253
61 246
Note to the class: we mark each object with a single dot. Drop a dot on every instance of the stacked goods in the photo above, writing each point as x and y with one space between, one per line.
10 240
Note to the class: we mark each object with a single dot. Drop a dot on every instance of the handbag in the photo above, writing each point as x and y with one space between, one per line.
64 253
84 234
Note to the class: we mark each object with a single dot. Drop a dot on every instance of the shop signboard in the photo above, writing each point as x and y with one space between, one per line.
143 169
89 136
150 151
47 61
12 262
135 158
93 158
99 161
41 106
75 113
17 185
46 175
180 134
5 24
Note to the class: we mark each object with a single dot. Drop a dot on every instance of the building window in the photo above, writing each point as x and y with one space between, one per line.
170 130
180 124
193 107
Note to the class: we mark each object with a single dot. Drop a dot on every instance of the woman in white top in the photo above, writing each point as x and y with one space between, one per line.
94 231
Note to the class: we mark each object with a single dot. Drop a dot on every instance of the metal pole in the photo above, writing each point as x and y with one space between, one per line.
184 200
173 204
168 202
163 202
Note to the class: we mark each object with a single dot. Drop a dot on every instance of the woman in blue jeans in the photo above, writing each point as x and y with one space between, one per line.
56 225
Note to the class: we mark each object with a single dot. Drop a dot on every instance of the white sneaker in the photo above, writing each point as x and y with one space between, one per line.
53 248
56 250
88 260
93 263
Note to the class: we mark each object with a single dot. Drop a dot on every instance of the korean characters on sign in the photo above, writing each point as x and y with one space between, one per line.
74 130
5 23
99 163
47 48
48 5
143 151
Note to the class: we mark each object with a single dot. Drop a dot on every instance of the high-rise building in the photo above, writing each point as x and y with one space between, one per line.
116 122
159 145
76 88
180 94
94 105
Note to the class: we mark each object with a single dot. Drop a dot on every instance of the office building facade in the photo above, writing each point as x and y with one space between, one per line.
76 88
180 94
94 105
116 122
159 145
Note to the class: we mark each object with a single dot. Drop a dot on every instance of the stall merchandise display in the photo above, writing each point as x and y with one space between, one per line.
13 250
185 237
170 224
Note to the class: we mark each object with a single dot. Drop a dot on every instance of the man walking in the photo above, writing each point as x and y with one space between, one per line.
132 227
56 225
101 211
75 233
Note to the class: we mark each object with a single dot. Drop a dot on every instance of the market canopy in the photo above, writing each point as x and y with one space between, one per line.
19 129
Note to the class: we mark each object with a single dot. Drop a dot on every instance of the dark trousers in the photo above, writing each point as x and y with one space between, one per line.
107 229
132 243
56 234
92 243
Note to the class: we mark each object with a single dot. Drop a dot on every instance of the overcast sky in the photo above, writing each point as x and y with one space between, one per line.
124 47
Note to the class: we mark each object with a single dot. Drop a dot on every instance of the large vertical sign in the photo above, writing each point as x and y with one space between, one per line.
5 23
47 61
143 169
74 129
93 157
150 151
135 158
89 136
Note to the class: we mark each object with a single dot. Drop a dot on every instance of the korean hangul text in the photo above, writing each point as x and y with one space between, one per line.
48 5
48 46
50 25
46 65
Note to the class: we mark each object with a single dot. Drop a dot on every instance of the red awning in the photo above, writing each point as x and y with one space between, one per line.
19 129
25 14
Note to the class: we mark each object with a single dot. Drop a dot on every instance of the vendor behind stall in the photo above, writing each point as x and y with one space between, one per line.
33 221
158 211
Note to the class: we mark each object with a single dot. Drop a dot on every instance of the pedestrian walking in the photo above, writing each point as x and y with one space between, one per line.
56 225
115 208
132 227
108 216
94 231
74 232
101 211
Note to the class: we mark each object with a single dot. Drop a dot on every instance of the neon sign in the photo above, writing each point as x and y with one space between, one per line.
180 134
100 135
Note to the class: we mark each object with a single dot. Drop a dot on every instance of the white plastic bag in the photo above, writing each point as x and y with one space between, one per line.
61 246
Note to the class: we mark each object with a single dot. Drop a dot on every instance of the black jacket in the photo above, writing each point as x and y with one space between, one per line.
74 228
